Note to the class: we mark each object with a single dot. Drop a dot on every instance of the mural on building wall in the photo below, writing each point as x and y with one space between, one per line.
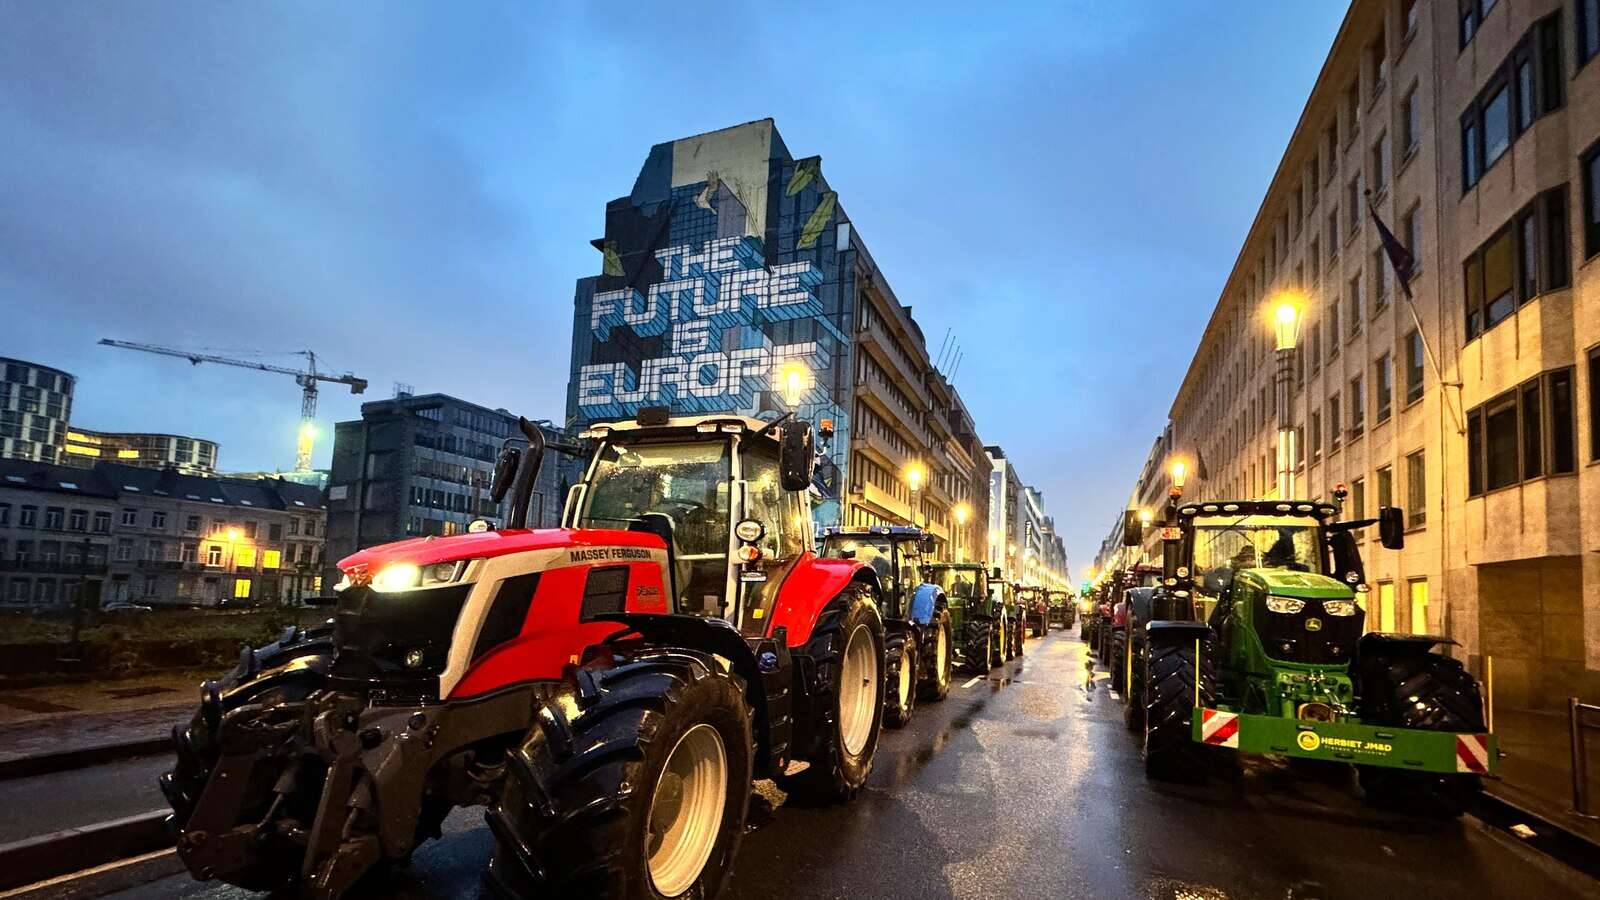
721 273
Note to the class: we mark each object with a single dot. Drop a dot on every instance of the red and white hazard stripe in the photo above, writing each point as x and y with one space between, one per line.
1219 729
1472 753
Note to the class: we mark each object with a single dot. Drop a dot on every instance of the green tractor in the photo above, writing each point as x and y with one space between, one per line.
1256 643
983 625
1063 609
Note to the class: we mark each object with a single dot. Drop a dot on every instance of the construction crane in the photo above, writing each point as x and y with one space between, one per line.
307 379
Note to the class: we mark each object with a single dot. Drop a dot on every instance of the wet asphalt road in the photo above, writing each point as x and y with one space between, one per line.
1026 785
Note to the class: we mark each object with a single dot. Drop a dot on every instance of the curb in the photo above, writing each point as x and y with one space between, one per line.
46 856
1550 837
46 763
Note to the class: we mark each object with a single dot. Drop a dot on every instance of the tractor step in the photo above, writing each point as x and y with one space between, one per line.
1348 742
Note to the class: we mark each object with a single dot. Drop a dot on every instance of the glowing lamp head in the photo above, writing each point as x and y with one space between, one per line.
233 534
1286 321
792 380
963 512
1145 517
915 473
1180 474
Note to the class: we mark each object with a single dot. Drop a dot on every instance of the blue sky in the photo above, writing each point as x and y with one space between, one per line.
410 190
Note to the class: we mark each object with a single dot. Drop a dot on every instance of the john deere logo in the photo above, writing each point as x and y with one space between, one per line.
1308 740
1313 624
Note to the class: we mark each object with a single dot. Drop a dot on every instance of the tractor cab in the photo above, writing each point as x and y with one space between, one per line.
726 494
895 553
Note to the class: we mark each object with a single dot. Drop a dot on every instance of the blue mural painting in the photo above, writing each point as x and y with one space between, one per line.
727 268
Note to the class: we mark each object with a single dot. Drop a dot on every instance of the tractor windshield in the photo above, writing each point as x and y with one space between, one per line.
1225 545
959 584
687 482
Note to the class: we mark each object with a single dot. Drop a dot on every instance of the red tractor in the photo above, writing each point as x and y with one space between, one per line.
609 689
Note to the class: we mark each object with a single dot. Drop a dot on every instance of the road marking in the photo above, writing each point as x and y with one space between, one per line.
972 681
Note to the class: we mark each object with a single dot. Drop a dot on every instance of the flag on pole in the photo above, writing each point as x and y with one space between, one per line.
1400 258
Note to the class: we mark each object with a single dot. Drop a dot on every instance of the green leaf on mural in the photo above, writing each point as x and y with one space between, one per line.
818 221
804 171
613 262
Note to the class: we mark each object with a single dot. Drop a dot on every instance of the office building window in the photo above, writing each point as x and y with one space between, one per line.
1380 164
1335 424
214 555
1383 387
130 516
1358 407
1418 588
158 519
1588 31
1353 301
1316 435
1594 404
1524 433
1411 122
1415 358
1380 279
1526 85
1591 201
1358 498
1506 272
1385 486
1353 204
102 522
1333 233
1416 490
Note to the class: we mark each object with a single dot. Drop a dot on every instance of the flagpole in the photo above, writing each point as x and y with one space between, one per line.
1390 245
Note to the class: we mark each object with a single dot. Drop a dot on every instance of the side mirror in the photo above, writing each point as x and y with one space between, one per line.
1132 529
505 473
1346 558
1392 527
797 457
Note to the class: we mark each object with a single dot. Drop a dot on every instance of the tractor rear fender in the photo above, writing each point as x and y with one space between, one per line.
764 666
1396 644
926 603
1171 631
812 584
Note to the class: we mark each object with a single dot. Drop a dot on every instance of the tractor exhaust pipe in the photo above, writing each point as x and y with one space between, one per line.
527 473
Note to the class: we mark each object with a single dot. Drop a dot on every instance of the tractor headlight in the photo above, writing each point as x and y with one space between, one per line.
1286 605
406 576
1339 607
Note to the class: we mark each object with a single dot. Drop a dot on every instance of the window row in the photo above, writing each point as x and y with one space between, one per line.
1525 258
1526 86
1527 432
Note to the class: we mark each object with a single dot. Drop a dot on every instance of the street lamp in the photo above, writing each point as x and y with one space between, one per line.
1286 328
1180 476
915 474
963 512
792 379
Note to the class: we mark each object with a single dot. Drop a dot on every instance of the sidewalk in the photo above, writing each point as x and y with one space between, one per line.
71 717
1536 769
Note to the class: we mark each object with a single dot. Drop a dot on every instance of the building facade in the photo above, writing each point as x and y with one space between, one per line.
423 465
190 456
1473 129
155 537
732 281
35 405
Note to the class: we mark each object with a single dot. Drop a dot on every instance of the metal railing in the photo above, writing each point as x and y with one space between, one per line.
1576 723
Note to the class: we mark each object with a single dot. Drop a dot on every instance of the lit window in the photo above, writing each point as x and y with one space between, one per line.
241 589
270 559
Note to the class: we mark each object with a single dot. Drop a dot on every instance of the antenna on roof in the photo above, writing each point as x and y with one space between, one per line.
943 346
403 390
960 355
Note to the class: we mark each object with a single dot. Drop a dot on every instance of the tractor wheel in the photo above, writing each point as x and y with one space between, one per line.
900 694
1427 691
1118 663
846 649
941 661
1170 752
285 671
978 649
633 785
1134 697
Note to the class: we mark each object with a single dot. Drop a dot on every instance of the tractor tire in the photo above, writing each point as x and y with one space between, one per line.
1134 698
1170 752
900 691
286 671
1118 663
1430 692
666 736
941 659
847 650
977 651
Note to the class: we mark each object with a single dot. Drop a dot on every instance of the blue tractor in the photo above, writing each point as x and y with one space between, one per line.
919 655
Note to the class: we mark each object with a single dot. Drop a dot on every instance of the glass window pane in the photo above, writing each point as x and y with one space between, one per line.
1532 433
1469 154
1496 126
1527 257
1498 257
1500 425
1474 452
1563 452
1526 101
1557 273
1472 275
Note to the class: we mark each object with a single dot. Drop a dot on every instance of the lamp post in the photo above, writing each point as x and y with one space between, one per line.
962 512
1286 326
915 473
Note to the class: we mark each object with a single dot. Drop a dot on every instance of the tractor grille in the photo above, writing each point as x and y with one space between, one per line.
1285 636
375 634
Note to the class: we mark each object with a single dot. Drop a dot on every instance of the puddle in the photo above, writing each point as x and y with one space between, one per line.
129 693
